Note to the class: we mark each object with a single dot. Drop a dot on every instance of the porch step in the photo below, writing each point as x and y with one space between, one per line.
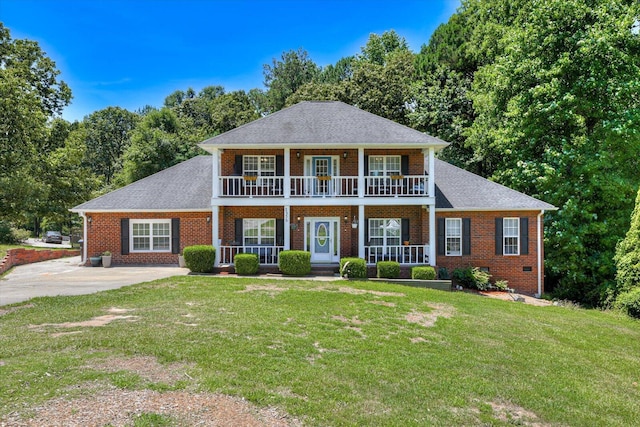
325 270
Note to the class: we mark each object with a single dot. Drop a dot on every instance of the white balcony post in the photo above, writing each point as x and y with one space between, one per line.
432 175
215 218
432 235
286 187
361 228
361 182
215 185
287 227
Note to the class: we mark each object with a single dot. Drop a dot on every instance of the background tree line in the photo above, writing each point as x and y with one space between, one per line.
541 96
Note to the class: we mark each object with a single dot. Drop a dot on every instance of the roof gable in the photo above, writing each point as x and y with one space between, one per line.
322 123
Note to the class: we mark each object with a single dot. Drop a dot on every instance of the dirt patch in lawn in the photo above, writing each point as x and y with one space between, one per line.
95 322
429 319
116 407
4 311
147 368
515 415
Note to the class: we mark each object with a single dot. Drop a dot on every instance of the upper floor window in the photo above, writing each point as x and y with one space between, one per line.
259 165
384 165
259 231
149 235
453 236
511 236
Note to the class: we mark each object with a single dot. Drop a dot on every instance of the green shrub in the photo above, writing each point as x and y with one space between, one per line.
501 285
10 235
627 256
354 268
200 258
472 277
629 302
423 273
388 269
443 273
246 264
295 263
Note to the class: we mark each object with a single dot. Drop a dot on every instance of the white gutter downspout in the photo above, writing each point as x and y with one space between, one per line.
539 294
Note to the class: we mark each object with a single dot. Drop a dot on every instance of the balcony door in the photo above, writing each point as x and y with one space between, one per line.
322 237
321 170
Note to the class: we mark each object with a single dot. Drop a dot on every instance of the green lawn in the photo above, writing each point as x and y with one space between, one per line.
337 353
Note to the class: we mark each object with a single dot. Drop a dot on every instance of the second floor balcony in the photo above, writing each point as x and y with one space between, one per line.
324 186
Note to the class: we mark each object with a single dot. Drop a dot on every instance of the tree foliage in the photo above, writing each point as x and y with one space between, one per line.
628 254
285 76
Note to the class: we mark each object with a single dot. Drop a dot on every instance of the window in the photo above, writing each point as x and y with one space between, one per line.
259 232
259 165
511 236
384 231
384 165
151 235
453 236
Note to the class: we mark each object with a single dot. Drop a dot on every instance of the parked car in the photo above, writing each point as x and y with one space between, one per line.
52 237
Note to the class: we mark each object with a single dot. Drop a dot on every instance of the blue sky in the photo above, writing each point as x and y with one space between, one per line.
132 53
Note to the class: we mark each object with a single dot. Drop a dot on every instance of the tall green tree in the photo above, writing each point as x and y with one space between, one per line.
285 75
628 254
558 117
108 133
382 77
30 95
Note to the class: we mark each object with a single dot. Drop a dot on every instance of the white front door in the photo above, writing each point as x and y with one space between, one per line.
322 239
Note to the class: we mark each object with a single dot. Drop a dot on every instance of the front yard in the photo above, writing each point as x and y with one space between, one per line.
317 353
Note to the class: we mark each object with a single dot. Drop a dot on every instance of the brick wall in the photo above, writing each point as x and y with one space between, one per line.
103 234
22 256
501 267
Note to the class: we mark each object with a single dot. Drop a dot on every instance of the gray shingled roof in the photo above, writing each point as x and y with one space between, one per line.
185 186
322 123
459 189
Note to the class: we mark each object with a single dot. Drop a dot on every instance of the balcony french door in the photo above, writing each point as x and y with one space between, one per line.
321 170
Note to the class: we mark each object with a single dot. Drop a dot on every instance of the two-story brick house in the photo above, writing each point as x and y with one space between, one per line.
330 179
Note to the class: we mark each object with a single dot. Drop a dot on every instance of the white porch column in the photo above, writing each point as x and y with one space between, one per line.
287 227
286 187
361 172
432 235
215 220
215 175
432 175
361 228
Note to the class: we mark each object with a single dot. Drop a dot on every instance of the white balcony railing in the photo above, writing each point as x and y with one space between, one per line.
267 255
324 186
251 186
405 254
396 185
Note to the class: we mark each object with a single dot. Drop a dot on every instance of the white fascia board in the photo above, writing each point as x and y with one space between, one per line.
341 146
137 210
533 209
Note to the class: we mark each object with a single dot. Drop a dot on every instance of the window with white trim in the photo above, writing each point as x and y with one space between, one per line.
384 165
259 231
453 236
150 235
384 231
511 236
259 165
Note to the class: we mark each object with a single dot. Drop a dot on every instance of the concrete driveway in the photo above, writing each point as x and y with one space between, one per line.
64 276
